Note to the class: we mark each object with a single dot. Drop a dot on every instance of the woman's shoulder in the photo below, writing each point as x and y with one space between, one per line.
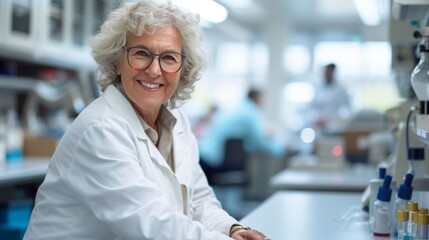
98 111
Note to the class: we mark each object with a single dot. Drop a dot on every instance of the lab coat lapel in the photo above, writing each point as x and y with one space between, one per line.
122 106
181 153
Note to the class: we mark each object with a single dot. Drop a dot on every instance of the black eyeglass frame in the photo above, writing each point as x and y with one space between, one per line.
152 55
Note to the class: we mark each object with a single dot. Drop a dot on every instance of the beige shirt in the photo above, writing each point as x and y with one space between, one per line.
163 140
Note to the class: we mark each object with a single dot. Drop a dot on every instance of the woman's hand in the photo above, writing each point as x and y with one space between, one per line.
242 233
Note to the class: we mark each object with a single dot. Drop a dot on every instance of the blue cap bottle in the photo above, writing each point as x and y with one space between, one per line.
402 198
385 192
382 209
406 190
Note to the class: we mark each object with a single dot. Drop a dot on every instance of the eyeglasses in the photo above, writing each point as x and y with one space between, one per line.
141 58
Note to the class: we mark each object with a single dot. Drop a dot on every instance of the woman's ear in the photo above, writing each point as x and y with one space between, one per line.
119 65
118 68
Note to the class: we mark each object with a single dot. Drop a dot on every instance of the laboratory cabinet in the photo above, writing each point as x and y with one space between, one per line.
51 31
18 24
45 61
46 39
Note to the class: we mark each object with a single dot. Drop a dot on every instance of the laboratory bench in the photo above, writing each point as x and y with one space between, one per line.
21 179
349 178
308 215
19 182
30 169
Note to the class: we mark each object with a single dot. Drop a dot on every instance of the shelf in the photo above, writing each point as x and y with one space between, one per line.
412 2
411 10
17 83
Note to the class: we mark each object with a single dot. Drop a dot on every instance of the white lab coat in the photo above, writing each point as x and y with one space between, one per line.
332 104
107 180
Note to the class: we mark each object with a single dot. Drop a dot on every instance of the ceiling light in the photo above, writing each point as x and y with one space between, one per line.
207 9
368 11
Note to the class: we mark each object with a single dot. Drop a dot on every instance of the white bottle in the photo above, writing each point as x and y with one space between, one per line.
382 209
374 185
2 143
14 137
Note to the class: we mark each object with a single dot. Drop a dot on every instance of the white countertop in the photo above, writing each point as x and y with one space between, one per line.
300 215
28 169
354 178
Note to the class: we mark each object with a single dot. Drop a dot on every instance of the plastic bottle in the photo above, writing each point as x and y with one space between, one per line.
414 220
411 207
402 224
14 137
404 195
382 209
374 185
422 226
2 143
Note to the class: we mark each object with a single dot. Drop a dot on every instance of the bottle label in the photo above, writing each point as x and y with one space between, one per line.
382 222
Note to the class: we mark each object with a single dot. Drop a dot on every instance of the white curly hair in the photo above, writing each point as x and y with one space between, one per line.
142 17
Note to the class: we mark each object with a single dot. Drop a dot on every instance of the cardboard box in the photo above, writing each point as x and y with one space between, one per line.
357 140
39 146
357 143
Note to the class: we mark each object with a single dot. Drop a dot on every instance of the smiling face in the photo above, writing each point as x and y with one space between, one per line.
148 89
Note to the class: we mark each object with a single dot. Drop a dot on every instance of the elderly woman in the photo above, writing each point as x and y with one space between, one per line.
128 166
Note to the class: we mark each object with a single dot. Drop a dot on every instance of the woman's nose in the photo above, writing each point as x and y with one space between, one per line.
154 69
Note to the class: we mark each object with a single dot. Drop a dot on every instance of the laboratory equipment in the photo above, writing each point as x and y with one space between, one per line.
382 209
2 143
404 195
374 185
417 14
414 223
402 223
420 84
14 137
62 97
422 226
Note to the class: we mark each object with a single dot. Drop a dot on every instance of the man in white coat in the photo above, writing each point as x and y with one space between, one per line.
331 104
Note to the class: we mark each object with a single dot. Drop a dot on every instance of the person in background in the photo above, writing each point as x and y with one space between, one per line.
127 168
331 103
199 128
246 123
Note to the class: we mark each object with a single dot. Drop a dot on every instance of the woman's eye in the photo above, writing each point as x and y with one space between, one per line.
169 57
141 53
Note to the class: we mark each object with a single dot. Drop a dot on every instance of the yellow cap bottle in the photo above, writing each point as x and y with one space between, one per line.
422 225
423 210
402 224
412 206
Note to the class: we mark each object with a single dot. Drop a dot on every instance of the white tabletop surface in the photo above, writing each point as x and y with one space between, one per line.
300 215
26 170
349 178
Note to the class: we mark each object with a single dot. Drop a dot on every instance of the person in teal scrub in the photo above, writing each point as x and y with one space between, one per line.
246 123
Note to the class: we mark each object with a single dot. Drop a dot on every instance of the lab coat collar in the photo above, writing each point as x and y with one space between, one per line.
119 103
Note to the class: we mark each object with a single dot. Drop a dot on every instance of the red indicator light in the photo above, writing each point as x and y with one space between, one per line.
337 150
